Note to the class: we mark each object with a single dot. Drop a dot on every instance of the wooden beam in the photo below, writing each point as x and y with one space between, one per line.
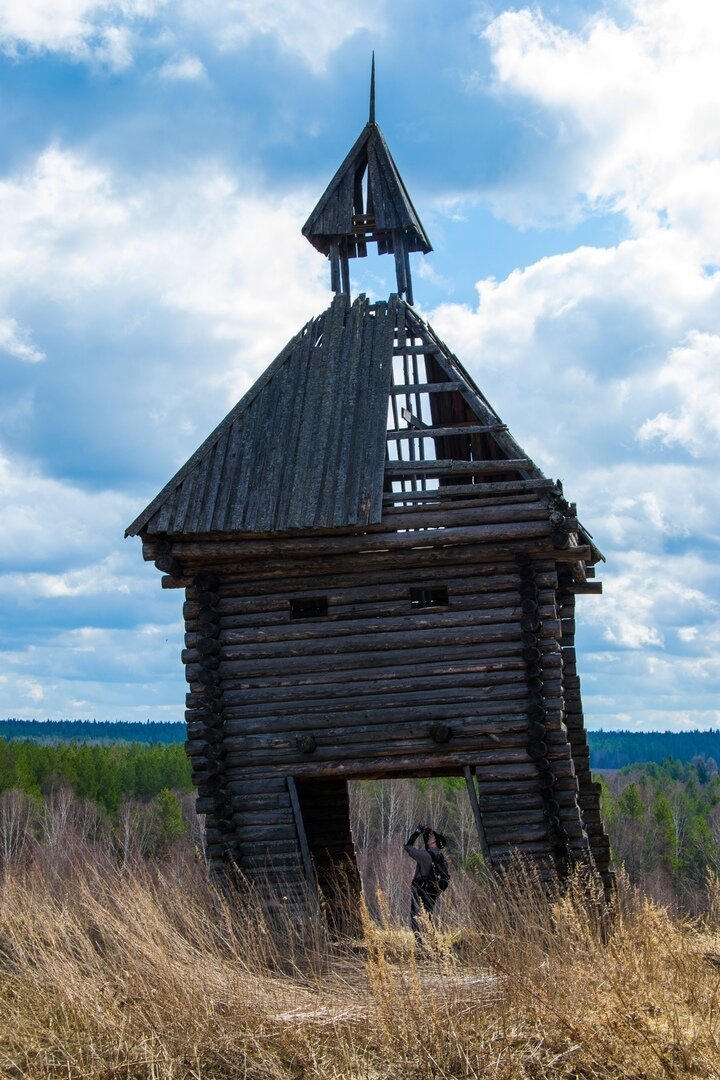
428 432
472 794
415 350
425 388
221 550
302 838
441 466
498 487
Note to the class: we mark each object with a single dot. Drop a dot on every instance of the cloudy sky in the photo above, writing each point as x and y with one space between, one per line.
157 161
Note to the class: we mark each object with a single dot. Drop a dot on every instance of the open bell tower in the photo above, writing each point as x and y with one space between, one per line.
379 582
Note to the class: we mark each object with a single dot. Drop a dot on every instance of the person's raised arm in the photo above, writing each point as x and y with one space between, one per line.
410 848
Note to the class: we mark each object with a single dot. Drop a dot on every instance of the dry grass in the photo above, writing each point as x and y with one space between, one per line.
151 972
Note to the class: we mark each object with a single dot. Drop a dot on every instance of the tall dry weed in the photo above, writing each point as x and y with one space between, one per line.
142 970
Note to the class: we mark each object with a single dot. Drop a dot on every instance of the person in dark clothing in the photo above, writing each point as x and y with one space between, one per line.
431 873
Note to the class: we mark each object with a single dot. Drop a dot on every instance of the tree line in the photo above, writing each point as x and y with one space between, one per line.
107 775
608 749
663 818
149 731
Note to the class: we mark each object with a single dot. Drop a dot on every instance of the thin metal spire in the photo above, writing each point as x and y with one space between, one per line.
372 90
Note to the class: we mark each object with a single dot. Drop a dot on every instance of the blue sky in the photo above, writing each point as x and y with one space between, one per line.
157 161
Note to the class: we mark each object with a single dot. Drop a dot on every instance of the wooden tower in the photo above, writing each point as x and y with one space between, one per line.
379 583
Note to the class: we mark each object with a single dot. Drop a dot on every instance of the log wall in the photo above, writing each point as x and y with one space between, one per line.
379 688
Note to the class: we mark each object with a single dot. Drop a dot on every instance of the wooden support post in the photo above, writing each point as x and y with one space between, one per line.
345 271
335 277
302 838
472 793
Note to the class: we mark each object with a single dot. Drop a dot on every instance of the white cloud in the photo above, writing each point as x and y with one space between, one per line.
605 362
71 229
45 520
637 106
184 68
84 29
90 672
642 601
15 341
312 30
99 579
112 32
692 376
31 690
201 269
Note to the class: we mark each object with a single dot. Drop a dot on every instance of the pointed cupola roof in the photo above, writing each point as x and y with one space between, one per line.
367 202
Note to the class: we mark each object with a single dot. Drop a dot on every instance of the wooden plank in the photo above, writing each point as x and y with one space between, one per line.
310 419
357 583
398 469
413 350
330 702
495 487
341 463
302 403
475 806
352 665
373 447
344 686
508 775
401 434
302 838
279 663
424 388
490 730
441 636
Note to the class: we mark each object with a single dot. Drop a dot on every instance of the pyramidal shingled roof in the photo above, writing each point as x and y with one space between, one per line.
308 446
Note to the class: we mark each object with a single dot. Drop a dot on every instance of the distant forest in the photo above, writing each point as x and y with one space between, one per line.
95 730
608 749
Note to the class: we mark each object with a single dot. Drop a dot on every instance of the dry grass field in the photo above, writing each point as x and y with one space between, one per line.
147 971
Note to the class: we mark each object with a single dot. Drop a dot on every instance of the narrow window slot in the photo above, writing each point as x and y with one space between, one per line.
309 607
428 597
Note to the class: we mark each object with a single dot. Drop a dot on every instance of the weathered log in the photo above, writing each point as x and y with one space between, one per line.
411 622
238 722
397 470
441 635
339 695
345 760
484 671
348 591
190 551
399 608
504 733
